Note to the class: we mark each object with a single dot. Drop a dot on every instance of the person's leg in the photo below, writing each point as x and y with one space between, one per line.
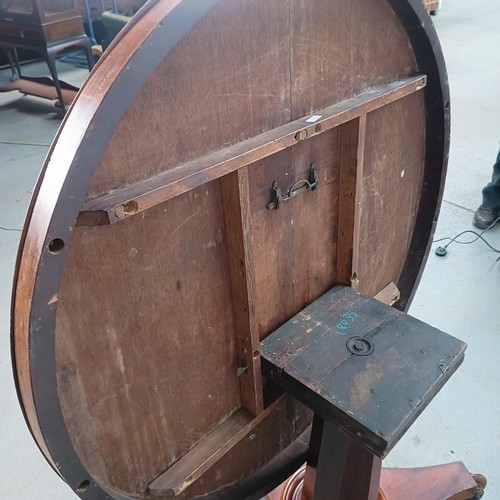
490 208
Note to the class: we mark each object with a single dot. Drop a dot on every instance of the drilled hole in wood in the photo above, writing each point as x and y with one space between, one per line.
130 207
256 353
56 245
301 135
317 128
83 486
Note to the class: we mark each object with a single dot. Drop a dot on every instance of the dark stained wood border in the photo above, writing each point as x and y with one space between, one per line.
423 37
60 192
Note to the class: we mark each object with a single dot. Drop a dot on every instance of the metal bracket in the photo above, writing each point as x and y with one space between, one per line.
277 197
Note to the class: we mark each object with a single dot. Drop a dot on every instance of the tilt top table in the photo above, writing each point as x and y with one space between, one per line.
226 164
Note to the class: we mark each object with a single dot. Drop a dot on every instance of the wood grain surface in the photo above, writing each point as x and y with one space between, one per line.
362 365
134 342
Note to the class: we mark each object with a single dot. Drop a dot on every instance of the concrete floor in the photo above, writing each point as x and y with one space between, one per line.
458 293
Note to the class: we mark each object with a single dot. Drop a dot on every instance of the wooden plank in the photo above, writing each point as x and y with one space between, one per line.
388 295
236 203
210 463
361 364
311 267
390 186
193 105
351 157
289 271
145 194
149 365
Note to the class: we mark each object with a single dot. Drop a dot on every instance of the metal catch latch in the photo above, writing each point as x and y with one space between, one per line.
277 198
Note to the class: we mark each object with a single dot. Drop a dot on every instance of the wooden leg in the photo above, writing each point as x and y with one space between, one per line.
13 67
16 62
51 63
445 482
87 47
338 468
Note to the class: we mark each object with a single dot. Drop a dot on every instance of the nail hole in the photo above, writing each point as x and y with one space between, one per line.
317 128
56 245
83 486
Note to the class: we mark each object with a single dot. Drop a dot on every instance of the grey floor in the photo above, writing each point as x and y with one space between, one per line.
458 293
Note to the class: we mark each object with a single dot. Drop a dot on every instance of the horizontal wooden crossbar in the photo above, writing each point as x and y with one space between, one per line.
145 194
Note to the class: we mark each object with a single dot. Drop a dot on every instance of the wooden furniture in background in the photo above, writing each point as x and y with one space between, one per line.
12 59
227 163
46 27
432 6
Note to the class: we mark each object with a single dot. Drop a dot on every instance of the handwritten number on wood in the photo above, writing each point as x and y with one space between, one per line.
347 317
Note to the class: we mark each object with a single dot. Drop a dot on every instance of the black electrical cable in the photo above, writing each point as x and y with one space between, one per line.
441 251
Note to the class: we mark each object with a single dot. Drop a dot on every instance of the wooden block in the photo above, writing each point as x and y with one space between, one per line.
389 295
361 364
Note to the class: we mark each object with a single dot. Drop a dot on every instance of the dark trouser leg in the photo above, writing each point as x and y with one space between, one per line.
491 192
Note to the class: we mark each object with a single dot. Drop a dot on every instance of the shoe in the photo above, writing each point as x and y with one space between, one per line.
484 217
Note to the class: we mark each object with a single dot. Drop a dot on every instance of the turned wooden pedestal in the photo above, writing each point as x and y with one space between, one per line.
368 371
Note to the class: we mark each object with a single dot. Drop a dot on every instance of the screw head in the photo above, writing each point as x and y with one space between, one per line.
358 345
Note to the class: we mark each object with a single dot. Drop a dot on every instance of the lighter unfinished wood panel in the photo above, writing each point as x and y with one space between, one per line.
151 317
391 189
